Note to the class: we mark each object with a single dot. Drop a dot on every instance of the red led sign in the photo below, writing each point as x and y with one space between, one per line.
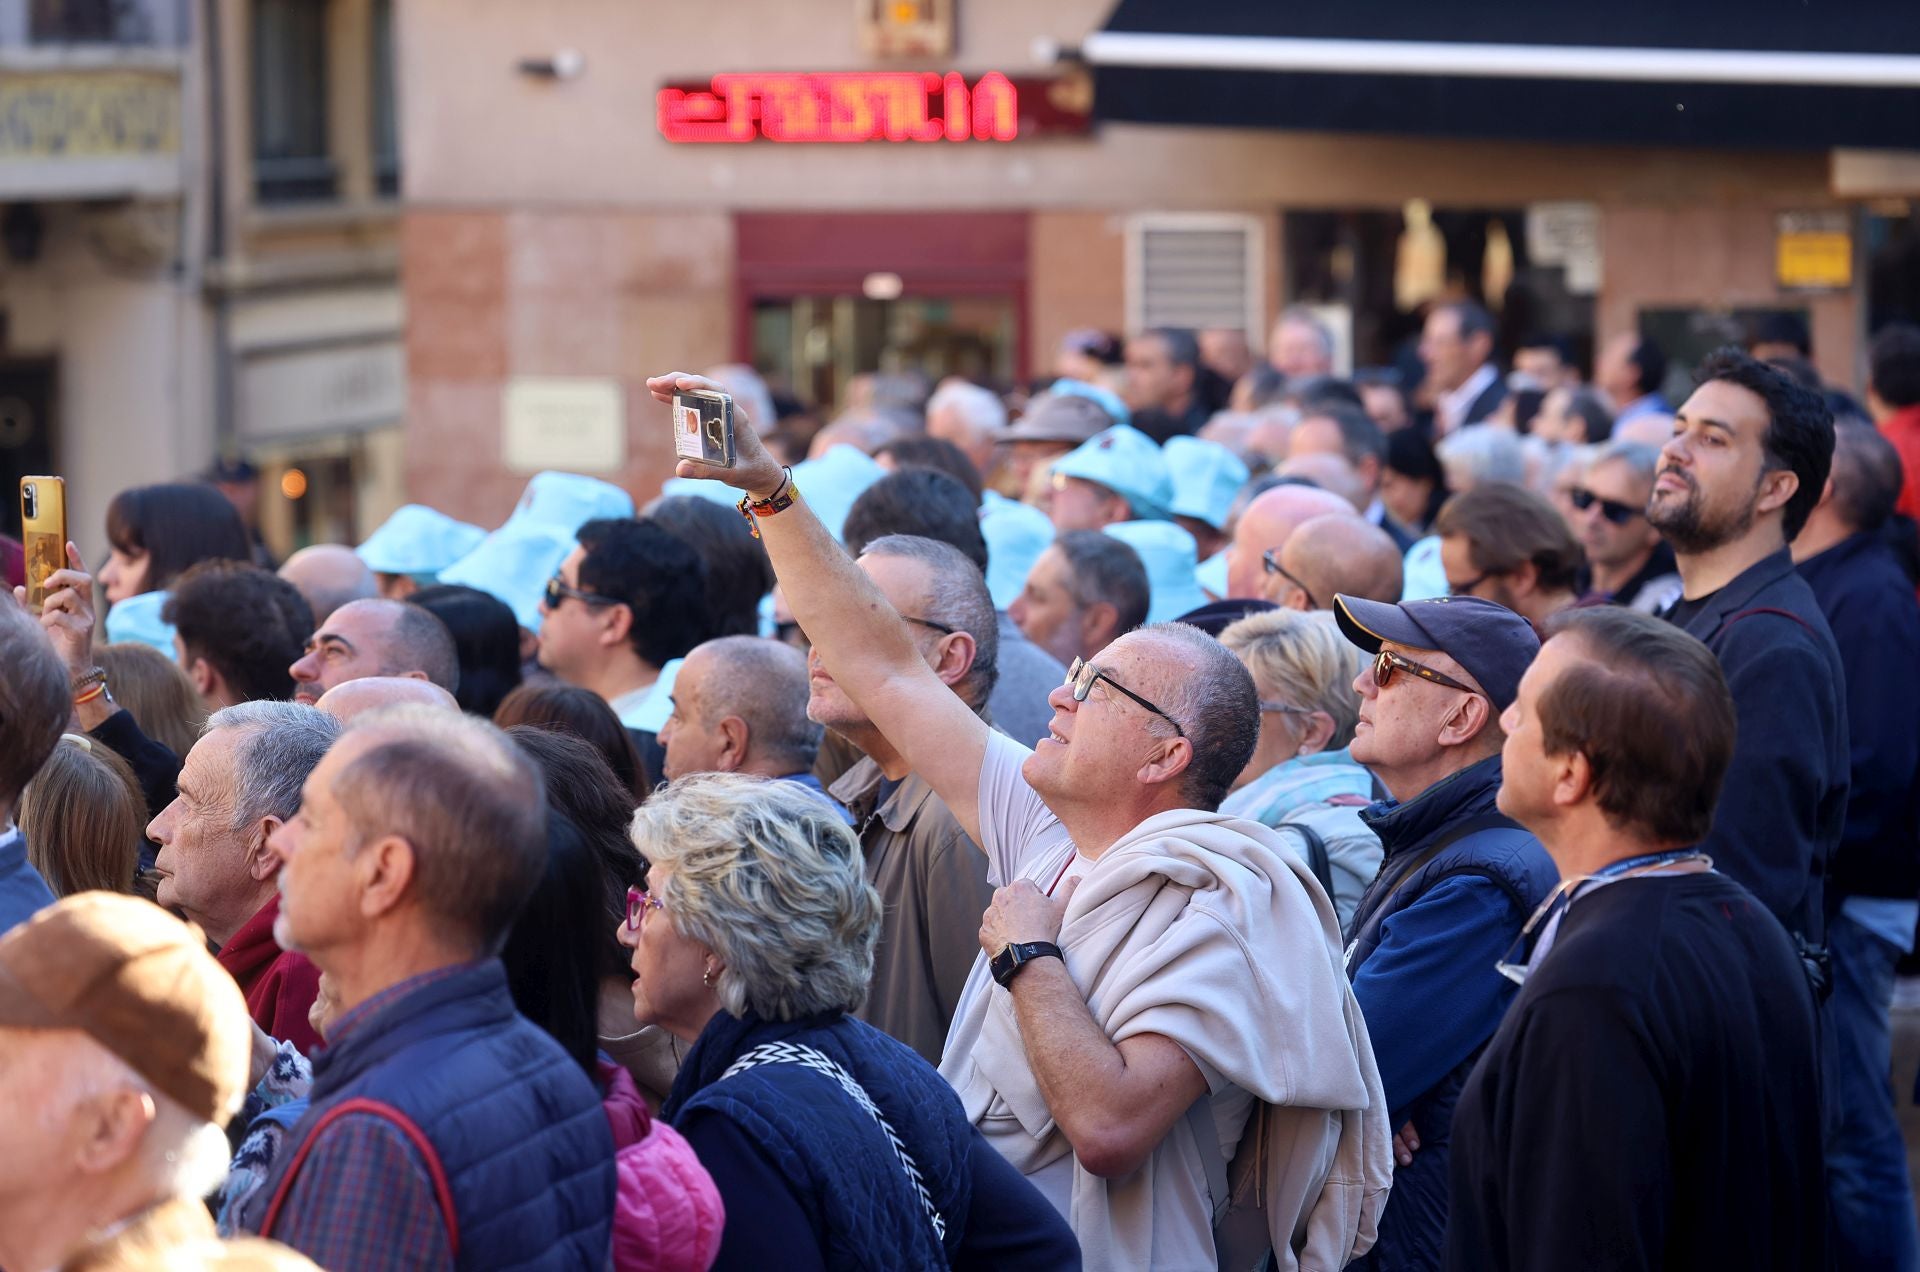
842 107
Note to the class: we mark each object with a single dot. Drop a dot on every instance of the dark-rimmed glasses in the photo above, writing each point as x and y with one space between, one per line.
558 591
1082 674
1612 509
942 628
1284 708
1273 565
1386 663
638 903
1466 589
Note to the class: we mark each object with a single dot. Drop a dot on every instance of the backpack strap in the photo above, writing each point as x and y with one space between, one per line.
1731 619
1446 839
442 1191
1316 854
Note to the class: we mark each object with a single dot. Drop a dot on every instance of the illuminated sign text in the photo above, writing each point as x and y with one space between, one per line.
842 107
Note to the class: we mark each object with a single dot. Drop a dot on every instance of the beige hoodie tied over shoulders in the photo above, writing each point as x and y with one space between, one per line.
1209 930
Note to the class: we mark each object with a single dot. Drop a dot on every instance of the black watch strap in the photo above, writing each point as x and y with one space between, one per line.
1007 963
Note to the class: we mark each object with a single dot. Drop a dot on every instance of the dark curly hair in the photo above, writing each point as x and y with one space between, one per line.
1799 436
655 574
249 624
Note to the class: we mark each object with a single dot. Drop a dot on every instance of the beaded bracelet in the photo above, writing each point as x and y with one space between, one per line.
779 501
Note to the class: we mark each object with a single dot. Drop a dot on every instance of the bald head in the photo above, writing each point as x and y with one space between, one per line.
376 638
329 575
1339 553
1268 520
740 706
357 697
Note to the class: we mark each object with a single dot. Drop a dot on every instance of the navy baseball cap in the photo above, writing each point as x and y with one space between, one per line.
1493 643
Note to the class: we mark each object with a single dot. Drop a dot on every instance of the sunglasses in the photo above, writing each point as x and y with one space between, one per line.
1273 565
638 903
1081 676
942 628
1386 664
1466 588
557 593
1611 509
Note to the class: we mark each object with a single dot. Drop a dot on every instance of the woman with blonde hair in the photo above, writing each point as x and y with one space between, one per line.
84 819
156 693
832 1145
1301 780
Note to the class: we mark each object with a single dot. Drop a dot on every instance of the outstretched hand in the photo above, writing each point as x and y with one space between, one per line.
67 612
754 470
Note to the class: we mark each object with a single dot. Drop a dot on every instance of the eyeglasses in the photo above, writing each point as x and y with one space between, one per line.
638 903
1081 676
1466 589
942 628
1273 565
1612 509
558 592
1284 708
1386 663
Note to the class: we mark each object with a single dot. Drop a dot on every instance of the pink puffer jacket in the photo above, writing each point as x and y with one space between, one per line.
667 1214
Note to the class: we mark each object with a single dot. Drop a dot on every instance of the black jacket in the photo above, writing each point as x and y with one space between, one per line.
1870 606
1785 797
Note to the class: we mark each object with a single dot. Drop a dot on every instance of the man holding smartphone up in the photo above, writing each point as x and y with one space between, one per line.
1087 1045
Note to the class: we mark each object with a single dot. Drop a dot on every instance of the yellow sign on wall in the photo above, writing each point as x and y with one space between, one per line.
1813 251
89 114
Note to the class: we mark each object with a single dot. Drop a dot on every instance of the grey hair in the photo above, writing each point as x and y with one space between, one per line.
957 596
1866 476
1642 461
1487 451
979 408
1103 568
764 683
1217 705
1301 316
767 875
1305 659
281 743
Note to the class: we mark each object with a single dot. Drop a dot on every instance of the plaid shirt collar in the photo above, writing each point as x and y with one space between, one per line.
360 1014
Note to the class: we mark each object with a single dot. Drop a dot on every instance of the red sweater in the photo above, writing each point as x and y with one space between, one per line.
280 985
1902 428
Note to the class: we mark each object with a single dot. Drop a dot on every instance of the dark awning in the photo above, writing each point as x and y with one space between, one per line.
1643 72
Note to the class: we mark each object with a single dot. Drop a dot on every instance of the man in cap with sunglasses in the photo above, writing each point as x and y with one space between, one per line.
1458 880
1628 563
1649 1100
1123 1017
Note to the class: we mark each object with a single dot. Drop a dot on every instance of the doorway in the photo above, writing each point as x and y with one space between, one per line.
26 431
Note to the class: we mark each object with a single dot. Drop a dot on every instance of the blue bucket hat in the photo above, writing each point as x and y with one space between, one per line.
1212 574
418 540
1494 644
1206 476
514 563
1016 535
137 619
829 484
1108 400
1169 554
1125 461
567 501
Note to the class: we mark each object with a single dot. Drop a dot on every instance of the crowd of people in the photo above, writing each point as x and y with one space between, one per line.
1200 812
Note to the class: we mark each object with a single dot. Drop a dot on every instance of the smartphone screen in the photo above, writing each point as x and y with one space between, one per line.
43 520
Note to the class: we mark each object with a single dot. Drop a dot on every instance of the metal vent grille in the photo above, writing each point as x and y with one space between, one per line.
1193 271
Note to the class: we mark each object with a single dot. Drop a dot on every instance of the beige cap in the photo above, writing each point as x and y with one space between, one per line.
141 984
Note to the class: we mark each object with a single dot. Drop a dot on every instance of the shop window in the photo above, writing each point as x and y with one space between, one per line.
91 22
386 131
1194 271
291 162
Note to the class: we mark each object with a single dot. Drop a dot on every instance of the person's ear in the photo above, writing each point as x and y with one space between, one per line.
1777 489
1525 578
112 1127
205 678
1467 721
262 862
1318 733
1099 625
616 625
386 868
1573 780
1826 494
1170 760
734 740
953 657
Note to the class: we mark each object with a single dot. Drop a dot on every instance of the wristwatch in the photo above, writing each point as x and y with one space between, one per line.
1007 963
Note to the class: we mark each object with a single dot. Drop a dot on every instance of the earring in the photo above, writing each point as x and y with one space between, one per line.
706 977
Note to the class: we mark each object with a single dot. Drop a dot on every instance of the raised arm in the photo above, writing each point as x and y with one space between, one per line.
860 638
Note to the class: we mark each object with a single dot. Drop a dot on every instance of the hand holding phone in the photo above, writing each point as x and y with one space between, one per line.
43 520
703 427
753 470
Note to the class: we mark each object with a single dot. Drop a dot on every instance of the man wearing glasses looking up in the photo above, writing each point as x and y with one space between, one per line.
1457 883
1137 1017
1628 563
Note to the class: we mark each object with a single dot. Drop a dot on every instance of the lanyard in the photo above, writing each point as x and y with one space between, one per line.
1554 908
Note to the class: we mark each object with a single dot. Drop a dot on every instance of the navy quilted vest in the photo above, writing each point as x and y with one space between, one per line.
844 1173
526 1147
